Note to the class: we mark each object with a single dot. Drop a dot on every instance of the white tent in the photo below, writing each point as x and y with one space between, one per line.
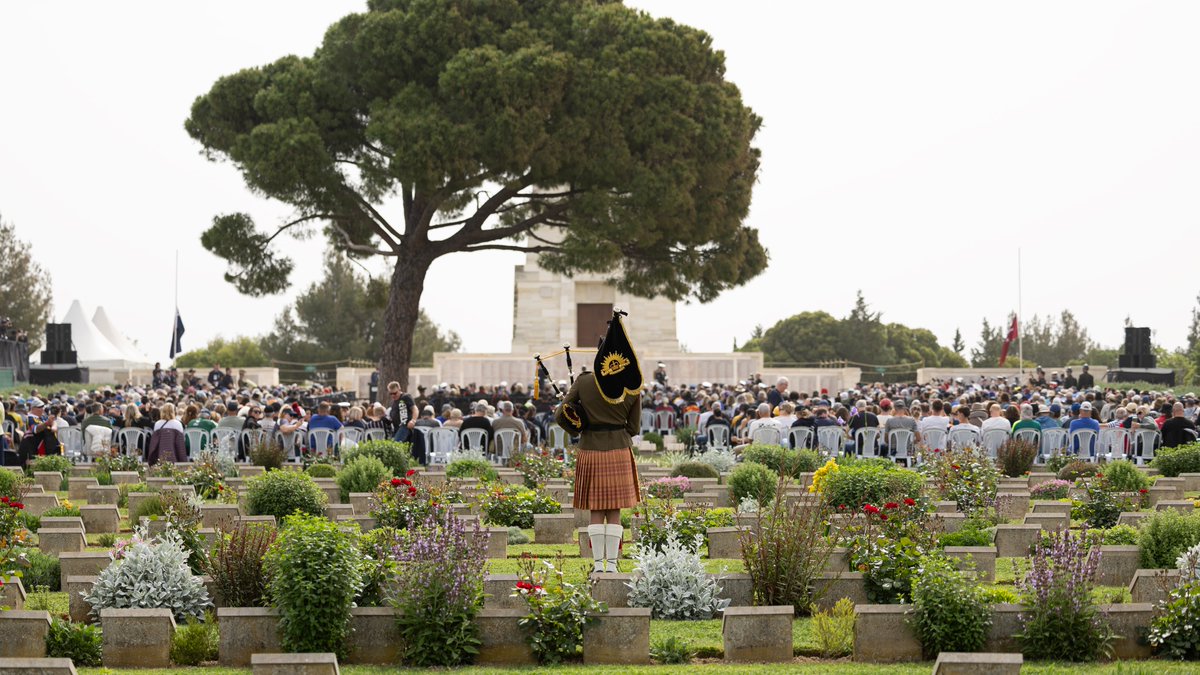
110 331
93 349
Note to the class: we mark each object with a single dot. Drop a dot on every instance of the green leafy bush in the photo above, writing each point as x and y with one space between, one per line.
1120 535
43 570
363 474
1076 469
966 537
314 573
950 613
751 479
147 508
517 536
321 470
655 438
672 651
152 575
61 512
695 470
1000 595
1179 459
782 460
236 565
125 488
834 628
394 455
51 463
1165 535
515 505
1123 476
269 455
1173 630
558 610
859 484
11 483
282 493
1102 504
107 539
79 642
471 468
195 642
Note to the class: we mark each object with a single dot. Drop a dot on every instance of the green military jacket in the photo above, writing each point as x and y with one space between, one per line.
626 415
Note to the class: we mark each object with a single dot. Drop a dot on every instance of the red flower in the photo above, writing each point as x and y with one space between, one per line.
1143 491
883 516
841 507
909 501
537 588
891 505
955 467
405 481
867 508
412 490
410 473
17 505
1099 475
525 585
4 500
395 481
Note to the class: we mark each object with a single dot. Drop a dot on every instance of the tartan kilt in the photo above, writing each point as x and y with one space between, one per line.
605 480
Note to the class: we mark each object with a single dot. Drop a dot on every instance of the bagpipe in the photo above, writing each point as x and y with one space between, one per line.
615 370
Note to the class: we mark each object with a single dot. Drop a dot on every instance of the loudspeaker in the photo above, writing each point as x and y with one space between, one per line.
58 337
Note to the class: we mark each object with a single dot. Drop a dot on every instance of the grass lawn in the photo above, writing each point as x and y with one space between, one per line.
801 665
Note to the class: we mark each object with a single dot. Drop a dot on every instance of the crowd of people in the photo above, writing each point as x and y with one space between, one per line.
175 403
10 332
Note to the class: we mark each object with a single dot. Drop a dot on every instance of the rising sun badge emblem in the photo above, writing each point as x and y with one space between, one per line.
613 364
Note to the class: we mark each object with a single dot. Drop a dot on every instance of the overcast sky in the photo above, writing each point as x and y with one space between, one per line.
909 148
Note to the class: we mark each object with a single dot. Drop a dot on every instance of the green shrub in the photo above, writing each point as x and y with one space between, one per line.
1120 535
1173 630
314 573
363 474
672 651
43 570
750 479
1180 459
282 493
51 463
1076 469
471 468
515 505
783 460
1165 535
107 539
395 456
966 537
148 507
1000 595
10 483
859 483
126 488
806 461
1123 476
950 612
236 565
517 536
834 628
76 641
61 512
695 470
655 438
269 455
322 471
195 642
29 521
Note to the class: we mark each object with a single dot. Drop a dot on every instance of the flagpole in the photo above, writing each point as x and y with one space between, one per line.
1020 321
175 317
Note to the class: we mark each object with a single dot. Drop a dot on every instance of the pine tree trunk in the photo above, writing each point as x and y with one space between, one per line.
400 320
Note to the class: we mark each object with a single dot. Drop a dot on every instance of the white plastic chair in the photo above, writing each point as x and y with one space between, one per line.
718 436
558 438
197 440
348 437
320 441
664 421
829 440
1029 436
934 438
288 442
992 439
767 434
1083 444
226 440
505 442
647 421
97 441
963 435
800 437
71 439
442 441
375 435
131 441
866 441
473 439
250 438
691 419
1145 440
900 441
1054 440
1111 443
